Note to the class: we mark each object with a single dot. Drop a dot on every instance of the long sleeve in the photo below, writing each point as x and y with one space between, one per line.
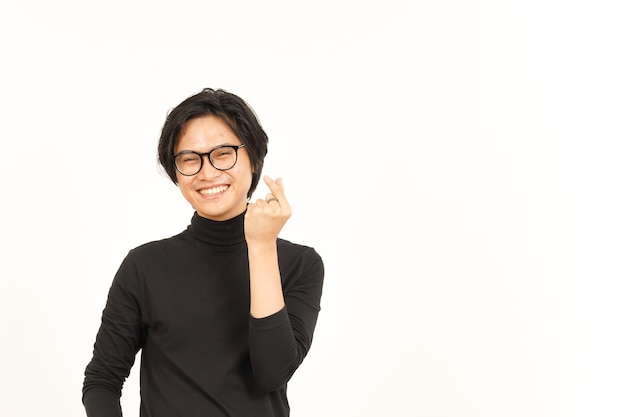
279 343
118 341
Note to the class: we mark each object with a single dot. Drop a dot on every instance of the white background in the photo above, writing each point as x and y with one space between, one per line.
458 164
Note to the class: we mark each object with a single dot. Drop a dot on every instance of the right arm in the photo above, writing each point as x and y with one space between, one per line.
119 339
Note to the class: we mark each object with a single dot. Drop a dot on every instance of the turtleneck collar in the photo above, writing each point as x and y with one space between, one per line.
219 233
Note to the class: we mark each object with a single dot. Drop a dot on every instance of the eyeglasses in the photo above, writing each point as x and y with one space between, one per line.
222 157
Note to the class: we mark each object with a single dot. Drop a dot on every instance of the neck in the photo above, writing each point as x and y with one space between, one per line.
221 233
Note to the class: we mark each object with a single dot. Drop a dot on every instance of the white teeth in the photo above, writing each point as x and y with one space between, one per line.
213 191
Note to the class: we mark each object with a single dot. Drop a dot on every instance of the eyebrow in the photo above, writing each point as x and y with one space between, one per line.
215 147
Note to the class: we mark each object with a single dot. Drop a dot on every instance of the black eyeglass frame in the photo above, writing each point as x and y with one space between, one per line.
208 155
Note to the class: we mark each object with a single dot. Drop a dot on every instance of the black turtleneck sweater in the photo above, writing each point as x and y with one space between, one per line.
185 303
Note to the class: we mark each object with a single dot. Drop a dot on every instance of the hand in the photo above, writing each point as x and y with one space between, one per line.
264 219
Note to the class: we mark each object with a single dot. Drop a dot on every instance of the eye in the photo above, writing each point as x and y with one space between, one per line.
187 158
223 152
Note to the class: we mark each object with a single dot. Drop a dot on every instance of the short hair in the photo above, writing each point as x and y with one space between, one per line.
234 111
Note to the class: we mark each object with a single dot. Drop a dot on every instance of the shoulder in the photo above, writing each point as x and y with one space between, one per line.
297 259
157 248
150 259
295 250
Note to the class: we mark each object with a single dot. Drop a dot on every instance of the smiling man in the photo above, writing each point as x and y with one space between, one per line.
224 312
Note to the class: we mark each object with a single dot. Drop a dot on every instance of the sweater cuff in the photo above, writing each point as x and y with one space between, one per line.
270 322
100 402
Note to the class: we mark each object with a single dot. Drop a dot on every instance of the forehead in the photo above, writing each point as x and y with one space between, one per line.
205 132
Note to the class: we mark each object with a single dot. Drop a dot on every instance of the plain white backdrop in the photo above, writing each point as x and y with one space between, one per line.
458 165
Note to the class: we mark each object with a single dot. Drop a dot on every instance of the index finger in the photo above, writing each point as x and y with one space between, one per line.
277 188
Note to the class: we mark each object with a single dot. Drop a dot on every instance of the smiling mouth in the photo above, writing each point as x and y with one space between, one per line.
214 190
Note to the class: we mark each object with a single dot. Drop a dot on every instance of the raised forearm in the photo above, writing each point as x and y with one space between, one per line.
266 293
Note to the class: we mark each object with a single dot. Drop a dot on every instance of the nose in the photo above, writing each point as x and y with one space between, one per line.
207 169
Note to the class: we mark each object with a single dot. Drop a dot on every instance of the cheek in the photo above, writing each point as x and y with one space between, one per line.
245 176
249 175
182 181
245 169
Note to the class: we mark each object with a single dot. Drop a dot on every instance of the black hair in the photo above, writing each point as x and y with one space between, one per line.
234 111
